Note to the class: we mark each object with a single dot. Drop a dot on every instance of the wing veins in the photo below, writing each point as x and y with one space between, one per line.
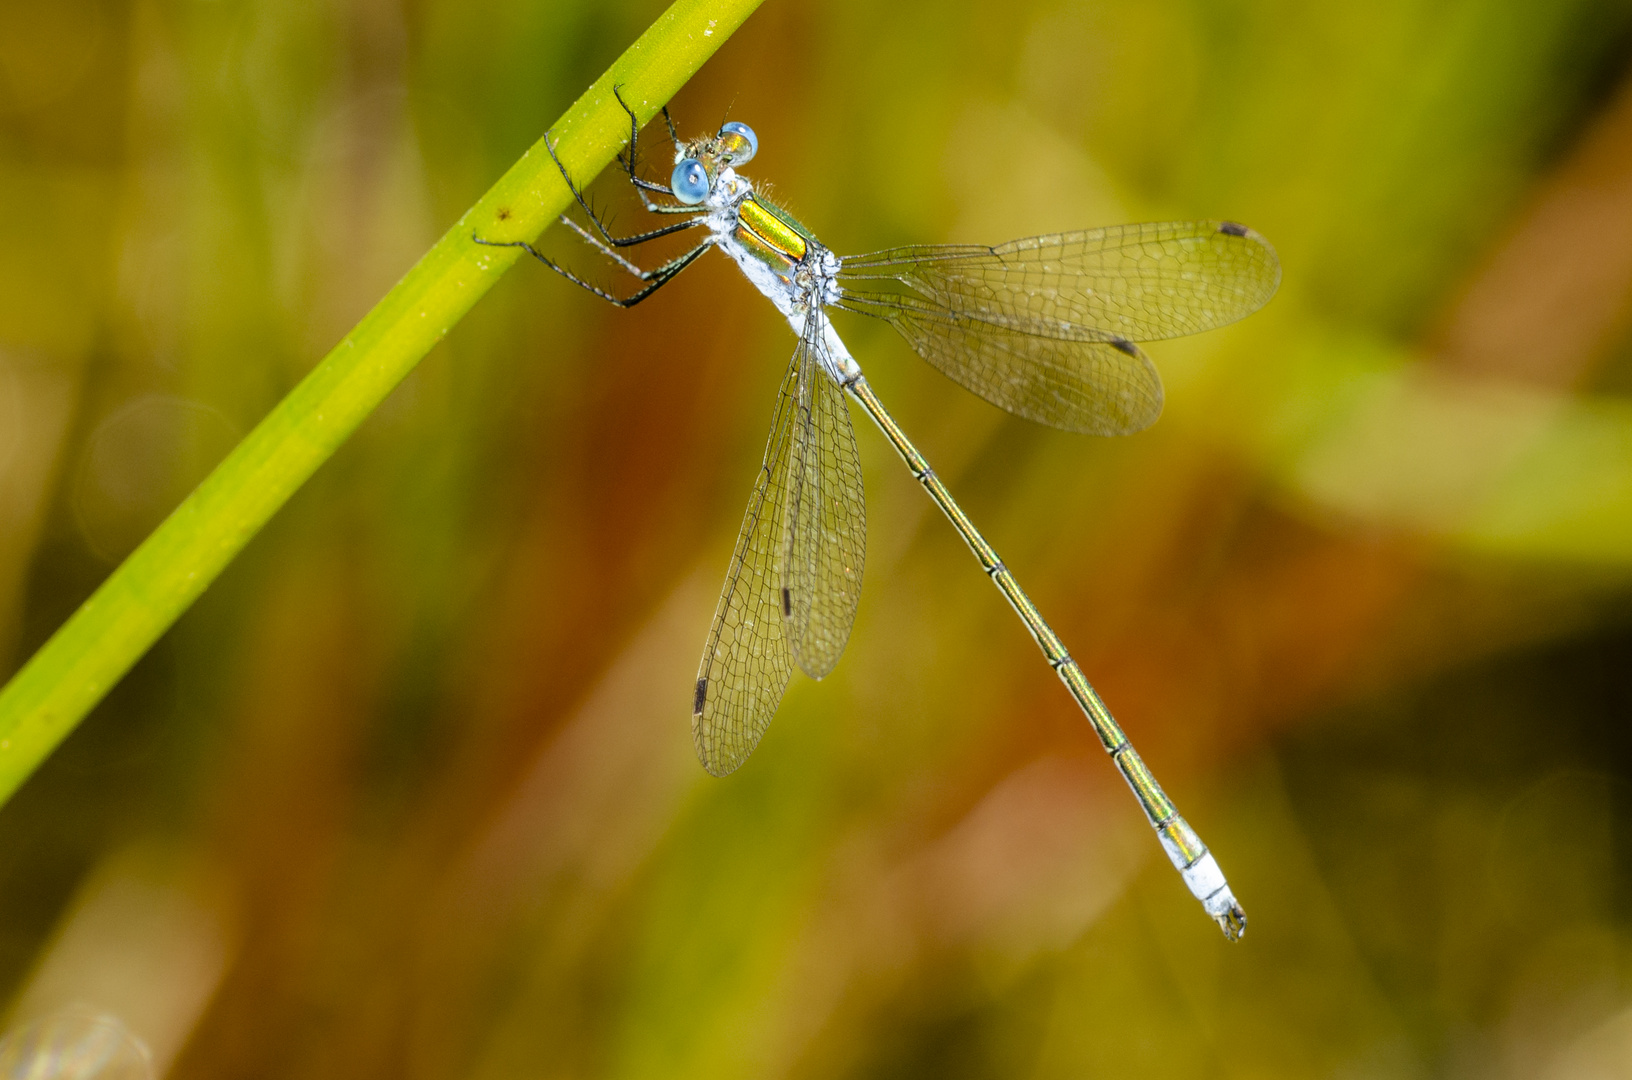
825 539
746 663
1134 282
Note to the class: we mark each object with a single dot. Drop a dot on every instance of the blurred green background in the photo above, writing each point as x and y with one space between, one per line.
410 792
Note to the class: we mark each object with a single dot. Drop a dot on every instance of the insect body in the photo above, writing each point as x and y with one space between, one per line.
1044 327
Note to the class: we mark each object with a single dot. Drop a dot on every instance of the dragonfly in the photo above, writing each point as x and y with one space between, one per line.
1045 327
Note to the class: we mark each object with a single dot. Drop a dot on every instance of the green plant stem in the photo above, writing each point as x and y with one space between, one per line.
160 579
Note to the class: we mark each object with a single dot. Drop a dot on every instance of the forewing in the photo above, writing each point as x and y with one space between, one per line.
1132 282
1094 387
825 540
746 664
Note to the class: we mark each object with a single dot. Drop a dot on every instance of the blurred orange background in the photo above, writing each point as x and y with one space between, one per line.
411 793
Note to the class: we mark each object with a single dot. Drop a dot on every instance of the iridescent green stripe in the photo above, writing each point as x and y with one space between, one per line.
1188 854
1151 796
1184 840
1105 725
892 431
1046 638
762 224
960 521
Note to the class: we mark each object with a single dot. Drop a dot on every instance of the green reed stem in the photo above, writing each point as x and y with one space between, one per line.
160 579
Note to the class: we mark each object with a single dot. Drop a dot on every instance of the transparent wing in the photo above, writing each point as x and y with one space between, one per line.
1093 387
1130 282
746 664
825 540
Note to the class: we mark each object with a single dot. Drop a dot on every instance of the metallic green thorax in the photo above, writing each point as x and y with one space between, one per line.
771 235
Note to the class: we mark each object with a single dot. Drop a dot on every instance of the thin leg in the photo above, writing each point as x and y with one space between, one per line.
1189 855
634 128
611 252
643 186
660 208
615 241
657 278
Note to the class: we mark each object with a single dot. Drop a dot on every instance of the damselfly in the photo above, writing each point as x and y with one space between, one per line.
1044 327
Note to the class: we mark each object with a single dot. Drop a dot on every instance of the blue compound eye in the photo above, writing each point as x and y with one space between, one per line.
690 182
739 141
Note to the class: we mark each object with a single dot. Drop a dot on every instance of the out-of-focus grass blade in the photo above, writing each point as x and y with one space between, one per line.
161 578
